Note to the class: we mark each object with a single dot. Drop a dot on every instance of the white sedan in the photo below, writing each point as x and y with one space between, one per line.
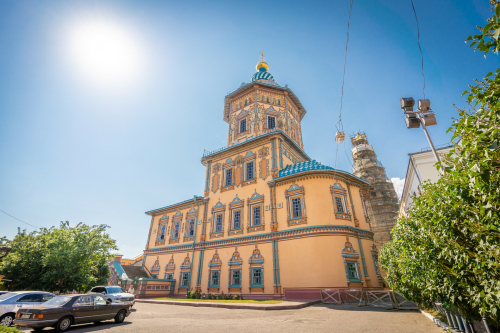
114 294
13 301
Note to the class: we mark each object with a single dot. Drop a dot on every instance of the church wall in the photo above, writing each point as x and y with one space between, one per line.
225 254
319 204
313 262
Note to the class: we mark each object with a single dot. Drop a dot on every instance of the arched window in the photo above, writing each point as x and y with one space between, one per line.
256 271
235 264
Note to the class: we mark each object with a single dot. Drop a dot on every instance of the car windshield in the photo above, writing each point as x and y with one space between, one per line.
114 290
57 301
7 296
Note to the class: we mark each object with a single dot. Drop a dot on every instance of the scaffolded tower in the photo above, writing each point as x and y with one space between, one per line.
382 202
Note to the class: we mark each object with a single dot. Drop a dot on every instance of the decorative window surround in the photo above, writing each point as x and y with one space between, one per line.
256 200
214 266
176 228
294 192
190 216
250 158
163 223
170 268
155 269
219 208
256 262
339 192
351 263
236 206
235 265
186 265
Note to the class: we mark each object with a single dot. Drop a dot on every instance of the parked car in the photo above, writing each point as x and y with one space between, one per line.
4 292
63 311
114 294
11 302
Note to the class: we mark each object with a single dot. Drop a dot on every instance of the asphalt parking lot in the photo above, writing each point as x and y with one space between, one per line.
316 318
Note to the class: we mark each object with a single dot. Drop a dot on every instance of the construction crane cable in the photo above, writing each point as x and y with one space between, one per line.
418 40
339 123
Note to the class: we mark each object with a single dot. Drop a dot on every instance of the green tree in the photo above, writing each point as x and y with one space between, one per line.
59 258
448 247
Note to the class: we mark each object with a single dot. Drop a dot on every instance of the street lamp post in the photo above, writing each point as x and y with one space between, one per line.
424 115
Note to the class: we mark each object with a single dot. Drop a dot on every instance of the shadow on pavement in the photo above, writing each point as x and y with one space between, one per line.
86 327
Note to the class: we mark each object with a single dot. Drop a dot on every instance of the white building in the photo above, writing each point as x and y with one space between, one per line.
420 168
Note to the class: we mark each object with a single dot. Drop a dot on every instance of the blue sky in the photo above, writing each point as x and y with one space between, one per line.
80 146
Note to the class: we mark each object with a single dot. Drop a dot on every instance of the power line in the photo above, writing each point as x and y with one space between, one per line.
418 39
18 219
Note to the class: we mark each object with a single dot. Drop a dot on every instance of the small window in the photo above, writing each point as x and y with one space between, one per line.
98 300
185 279
229 177
249 170
237 219
162 232
257 276
84 300
218 223
256 215
29 298
191 227
149 287
340 205
215 278
374 194
243 126
296 208
170 276
353 272
176 230
271 122
236 278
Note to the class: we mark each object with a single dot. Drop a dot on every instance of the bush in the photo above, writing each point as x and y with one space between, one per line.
236 297
188 295
6 329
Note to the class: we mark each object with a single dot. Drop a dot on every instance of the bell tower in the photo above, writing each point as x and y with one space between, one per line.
382 202
263 106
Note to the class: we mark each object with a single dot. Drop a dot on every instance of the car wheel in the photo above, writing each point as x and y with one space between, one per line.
120 317
63 324
6 320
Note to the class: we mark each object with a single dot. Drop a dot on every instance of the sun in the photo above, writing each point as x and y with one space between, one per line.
104 52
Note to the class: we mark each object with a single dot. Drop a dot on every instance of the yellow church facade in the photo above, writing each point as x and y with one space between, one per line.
272 222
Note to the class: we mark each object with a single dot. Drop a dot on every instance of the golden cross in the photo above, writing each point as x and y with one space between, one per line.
262 56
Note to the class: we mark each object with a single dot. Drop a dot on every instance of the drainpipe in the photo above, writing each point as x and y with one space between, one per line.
194 240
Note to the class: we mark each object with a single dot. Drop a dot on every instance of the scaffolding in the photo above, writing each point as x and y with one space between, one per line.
382 201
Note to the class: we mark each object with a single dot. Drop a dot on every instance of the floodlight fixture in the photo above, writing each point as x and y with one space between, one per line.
424 105
423 115
407 103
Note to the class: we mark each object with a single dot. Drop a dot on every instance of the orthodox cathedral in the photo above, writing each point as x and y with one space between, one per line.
272 222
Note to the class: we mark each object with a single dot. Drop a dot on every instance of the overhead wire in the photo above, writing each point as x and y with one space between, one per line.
18 219
418 40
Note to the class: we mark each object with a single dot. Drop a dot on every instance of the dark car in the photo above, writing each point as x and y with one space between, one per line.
63 311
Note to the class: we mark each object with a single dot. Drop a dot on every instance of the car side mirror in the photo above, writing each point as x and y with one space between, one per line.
104 293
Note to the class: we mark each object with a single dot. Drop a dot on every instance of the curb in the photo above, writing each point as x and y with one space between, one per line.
231 306
434 319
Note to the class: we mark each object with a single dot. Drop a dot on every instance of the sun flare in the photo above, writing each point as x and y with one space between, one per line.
104 52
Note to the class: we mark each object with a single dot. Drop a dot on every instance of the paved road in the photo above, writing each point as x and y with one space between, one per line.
316 318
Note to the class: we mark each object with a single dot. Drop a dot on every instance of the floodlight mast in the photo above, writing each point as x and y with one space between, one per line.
424 107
